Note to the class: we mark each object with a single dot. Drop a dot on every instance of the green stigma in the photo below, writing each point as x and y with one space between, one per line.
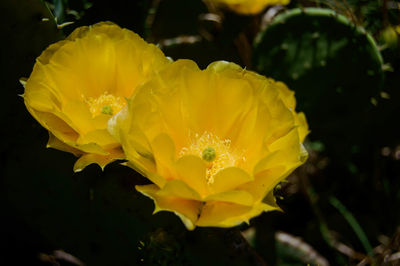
209 154
107 110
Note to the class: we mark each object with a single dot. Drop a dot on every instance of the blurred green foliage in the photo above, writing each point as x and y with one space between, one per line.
333 65
354 143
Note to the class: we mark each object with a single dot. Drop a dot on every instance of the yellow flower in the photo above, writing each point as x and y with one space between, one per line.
389 36
79 83
214 142
249 7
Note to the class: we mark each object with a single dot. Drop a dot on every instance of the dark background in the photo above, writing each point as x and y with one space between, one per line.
100 219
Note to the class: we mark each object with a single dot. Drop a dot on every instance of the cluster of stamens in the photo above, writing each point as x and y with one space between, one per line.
215 152
106 103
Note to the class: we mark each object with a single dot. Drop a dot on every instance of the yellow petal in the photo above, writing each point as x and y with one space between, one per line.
286 95
63 132
285 150
120 122
215 102
265 182
229 179
178 188
157 109
89 148
222 214
289 100
57 144
224 66
101 137
57 126
247 7
85 66
101 160
186 210
137 151
192 170
290 143
281 121
132 138
46 55
301 122
134 49
78 113
40 96
234 99
235 196
164 154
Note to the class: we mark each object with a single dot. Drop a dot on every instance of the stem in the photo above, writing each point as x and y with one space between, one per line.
239 244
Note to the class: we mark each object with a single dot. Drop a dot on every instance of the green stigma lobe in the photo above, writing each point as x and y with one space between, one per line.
209 154
107 110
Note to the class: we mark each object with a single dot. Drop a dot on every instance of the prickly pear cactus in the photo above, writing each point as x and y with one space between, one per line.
333 65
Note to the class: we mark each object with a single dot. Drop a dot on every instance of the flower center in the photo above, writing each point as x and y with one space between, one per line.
209 154
216 153
107 104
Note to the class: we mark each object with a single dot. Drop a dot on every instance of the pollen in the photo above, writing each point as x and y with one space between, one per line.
106 103
216 153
